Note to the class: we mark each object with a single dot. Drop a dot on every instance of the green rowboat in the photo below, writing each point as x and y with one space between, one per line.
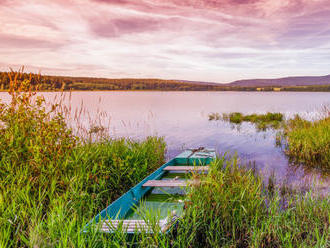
157 202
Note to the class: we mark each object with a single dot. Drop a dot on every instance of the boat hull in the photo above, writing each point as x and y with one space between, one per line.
120 208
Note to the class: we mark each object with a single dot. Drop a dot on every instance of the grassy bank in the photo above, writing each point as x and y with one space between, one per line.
309 142
47 203
51 182
233 208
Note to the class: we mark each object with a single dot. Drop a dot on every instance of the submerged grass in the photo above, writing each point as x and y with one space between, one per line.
262 121
306 142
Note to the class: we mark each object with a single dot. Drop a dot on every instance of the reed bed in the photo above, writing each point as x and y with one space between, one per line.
308 142
51 181
234 208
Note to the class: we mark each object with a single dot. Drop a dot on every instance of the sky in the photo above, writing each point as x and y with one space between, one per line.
215 41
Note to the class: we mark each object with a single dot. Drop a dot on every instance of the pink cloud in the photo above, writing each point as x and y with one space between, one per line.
14 41
116 27
189 39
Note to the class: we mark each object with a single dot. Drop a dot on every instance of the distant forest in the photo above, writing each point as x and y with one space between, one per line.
59 83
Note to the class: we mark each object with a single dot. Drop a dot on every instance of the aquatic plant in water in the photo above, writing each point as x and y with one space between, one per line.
262 121
308 142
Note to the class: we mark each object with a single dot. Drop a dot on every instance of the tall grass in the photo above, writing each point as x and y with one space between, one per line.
232 208
309 142
52 182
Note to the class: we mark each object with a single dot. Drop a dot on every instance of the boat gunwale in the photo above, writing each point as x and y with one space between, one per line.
138 191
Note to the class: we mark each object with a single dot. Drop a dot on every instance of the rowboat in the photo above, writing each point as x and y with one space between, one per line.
157 202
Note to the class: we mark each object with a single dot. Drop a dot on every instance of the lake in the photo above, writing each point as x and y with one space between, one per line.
182 119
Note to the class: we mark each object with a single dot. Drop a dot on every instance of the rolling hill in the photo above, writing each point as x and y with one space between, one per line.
286 81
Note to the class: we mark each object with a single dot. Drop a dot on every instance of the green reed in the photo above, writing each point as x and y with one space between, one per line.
52 182
232 208
309 142
305 142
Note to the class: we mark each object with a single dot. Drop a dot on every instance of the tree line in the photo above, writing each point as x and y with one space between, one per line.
58 83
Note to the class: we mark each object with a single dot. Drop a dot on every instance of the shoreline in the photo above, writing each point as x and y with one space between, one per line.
100 90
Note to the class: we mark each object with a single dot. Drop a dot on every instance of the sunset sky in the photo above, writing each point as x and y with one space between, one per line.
208 40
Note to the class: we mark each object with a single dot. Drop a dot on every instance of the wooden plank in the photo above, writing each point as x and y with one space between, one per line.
166 183
133 225
127 225
186 168
125 222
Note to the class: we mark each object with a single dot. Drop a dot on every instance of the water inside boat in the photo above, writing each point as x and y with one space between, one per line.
159 197
161 201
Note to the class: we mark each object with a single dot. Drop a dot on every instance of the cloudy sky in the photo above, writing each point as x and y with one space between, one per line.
206 40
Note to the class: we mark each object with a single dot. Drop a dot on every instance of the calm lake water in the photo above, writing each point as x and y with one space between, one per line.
182 119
